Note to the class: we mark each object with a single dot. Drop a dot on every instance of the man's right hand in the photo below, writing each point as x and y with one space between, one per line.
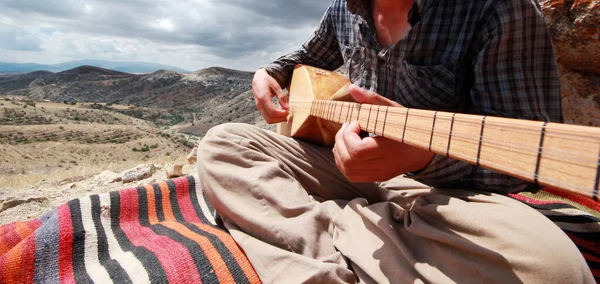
265 88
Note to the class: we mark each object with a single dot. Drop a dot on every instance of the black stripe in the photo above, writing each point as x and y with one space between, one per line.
174 202
160 214
432 129
573 219
450 135
480 139
369 117
595 192
384 121
588 236
539 156
194 199
405 122
236 271
151 264
211 209
376 119
238 274
204 268
114 269
550 206
78 256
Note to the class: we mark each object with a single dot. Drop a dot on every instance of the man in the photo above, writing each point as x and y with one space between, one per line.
305 213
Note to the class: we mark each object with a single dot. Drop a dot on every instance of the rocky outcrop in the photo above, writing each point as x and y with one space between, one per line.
138 173
575 28
174 170
13 202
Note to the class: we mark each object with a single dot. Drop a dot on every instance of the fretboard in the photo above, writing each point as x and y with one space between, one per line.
548 154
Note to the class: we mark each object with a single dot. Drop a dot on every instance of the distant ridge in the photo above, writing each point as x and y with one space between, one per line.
92 70
127 67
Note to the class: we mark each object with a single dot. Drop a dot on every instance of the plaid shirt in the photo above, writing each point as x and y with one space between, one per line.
484 57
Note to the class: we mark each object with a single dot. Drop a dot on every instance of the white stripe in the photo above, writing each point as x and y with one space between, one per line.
94 268
127 260
563 212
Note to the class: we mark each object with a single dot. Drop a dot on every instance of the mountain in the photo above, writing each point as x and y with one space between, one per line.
205 98
128 67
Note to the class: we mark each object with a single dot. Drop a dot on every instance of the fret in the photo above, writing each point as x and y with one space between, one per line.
450 135
369 118
595 191
333 112
405 123
384 121
539 154
480 140
341 110
348 111
358 113
432 129
351 112
376 119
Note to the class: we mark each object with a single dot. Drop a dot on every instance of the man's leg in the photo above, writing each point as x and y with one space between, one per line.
264 187
462 236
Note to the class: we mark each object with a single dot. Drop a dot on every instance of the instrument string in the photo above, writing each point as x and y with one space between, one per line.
474 138
476 121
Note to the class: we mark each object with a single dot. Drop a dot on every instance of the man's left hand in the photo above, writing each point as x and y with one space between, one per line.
374 158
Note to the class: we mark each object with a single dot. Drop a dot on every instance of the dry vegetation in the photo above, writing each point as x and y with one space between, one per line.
52 142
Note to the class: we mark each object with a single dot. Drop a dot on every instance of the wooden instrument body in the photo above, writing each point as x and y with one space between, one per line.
549 154
307 84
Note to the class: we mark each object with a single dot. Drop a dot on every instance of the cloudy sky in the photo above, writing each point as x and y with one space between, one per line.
190 34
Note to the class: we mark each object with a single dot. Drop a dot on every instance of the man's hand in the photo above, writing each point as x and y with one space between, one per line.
374 158
265 88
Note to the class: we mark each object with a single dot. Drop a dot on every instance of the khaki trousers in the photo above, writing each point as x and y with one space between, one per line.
298 219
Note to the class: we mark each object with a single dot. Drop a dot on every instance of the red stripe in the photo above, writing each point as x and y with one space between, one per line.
9 237
587 202
590 257
590 245
596 272
185 202
170 253
28 260
535 201
65 245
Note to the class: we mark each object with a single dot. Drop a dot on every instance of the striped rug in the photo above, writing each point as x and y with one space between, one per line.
157 233
166 232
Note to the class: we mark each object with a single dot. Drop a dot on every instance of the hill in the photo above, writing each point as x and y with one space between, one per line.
127 67
201 99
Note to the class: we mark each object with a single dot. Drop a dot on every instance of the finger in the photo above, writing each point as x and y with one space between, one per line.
270 113
340 154
281 96
368 97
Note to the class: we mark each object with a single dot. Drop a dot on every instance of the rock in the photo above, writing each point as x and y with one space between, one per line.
174 170
580 97
575 28
192 156
13 202
107 177
138 173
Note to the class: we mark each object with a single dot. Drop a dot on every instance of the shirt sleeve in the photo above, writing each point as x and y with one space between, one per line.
320 50
515 75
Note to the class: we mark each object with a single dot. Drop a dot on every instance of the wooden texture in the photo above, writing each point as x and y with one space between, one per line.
550 154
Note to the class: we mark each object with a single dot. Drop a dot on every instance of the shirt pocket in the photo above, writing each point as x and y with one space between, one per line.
355 63
428 87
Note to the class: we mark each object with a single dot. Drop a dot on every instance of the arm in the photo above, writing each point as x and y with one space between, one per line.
515 75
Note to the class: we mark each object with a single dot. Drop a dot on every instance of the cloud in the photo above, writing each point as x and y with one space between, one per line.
191 34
